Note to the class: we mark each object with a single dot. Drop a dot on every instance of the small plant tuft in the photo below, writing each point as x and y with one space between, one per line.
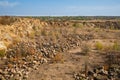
116 46
99 46
58 58
2 53
85 49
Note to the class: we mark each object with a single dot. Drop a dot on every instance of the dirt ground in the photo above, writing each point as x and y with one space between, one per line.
74 61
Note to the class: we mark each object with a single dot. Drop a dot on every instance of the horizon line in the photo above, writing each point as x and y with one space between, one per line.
63 15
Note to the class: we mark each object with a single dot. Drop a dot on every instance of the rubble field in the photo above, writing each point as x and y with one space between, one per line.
35 49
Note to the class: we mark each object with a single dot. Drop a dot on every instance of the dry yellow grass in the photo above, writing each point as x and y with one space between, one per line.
58 58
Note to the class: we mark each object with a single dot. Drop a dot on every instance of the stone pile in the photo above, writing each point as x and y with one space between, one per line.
28 53
99 73
19 62
18 69
26 56
48 47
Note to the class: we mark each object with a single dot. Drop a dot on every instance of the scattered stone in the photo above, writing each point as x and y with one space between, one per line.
2 78
99 74
43 60
25 77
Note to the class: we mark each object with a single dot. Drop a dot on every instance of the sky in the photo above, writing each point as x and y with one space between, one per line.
60 7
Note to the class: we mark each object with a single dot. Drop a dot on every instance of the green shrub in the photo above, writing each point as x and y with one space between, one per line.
99 46
2 53
78 25
116 46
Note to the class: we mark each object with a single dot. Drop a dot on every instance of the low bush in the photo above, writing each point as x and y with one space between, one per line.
2 53
116 47
85 49
3 49
99 46
78 25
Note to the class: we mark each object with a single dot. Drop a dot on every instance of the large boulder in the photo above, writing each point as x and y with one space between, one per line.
3 49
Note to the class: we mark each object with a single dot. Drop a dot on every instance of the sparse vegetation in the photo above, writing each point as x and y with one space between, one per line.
32 35
113 59
99 46
107 48
33 42
44 32
2 53
85 49
23 49
78 25
116 46
58 58
7 20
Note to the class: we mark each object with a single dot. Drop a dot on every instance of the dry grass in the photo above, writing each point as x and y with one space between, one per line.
78 25
58 58
2 53
10 65
22 49
116 46
7 20
32 34
85 49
